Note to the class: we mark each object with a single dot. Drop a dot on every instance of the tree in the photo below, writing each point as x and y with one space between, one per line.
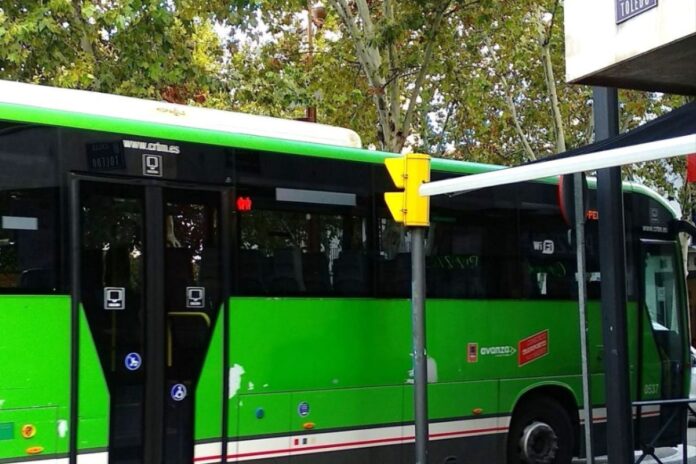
469 79
138 48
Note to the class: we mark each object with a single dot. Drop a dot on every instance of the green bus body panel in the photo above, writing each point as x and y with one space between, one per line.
291 344
330 353
448 400
208 397
273 408
35 372
44 419
93 392
349 359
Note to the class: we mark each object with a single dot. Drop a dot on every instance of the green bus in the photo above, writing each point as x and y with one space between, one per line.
185 285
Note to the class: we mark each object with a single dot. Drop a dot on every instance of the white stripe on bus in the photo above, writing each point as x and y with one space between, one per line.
84 458
247 450
599 415
260 448
207 453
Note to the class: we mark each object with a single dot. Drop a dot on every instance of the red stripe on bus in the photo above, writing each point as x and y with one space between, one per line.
352 443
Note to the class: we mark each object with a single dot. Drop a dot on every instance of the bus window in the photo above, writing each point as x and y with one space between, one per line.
28 212
467 256
292 248
662 297
548 255
661 290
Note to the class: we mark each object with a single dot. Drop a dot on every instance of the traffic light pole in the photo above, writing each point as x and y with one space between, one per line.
413 211
420 364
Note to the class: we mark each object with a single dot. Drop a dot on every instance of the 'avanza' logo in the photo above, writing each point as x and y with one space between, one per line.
156 146
498 350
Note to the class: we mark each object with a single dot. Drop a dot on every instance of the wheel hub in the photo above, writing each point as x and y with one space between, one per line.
538 443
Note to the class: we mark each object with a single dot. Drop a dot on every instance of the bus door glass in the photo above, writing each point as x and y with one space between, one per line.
192 301
113 296
664 303
150 262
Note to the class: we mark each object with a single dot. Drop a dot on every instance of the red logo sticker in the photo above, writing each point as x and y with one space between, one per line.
472 352
533 347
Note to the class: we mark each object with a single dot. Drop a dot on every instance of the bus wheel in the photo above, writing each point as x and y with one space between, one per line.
541 432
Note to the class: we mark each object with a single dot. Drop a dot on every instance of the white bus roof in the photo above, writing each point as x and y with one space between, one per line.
160 112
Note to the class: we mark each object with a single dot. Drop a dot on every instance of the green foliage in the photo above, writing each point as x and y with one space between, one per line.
138 48
454 78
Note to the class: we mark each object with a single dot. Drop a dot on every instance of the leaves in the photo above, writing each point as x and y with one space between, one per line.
456 78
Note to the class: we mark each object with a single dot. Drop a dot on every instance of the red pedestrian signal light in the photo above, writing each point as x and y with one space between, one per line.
244 203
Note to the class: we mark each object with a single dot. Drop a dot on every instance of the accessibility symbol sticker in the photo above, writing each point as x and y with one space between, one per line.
303 409
133 361
178 392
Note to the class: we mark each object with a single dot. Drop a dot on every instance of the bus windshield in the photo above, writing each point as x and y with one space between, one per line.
663 300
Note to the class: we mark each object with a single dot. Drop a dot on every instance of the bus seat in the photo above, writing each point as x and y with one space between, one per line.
118 267
209 267
401 279
178 275
37 279
458 283
93 279
315 268
287 272
436 281
350 273
251 272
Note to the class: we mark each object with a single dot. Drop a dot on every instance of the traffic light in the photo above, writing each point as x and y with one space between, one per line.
409 173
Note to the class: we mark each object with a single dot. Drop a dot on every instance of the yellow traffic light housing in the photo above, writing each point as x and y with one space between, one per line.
409 173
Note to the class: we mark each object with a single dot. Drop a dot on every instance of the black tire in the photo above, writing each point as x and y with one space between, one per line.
549 425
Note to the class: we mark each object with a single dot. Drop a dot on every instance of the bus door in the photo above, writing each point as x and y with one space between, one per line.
664 344
149 286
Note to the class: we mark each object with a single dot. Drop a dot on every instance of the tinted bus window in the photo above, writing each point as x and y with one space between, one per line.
28 211
471 248
302 242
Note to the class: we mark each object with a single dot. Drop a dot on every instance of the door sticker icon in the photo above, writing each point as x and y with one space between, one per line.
133 361
152 165
195 297
114 298
178 392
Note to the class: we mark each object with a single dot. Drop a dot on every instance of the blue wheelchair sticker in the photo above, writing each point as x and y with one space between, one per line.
178 392
133 361
303 409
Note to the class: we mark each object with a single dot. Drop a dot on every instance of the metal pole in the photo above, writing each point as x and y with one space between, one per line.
612 261
420 370
76 298
582 307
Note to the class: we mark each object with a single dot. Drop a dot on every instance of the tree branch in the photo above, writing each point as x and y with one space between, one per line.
405 127
511 105
393 90
371 62
545 44
450 110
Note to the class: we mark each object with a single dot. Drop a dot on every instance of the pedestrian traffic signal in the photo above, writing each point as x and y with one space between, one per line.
409 173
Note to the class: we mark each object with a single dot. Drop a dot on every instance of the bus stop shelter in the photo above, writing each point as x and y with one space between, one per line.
678 122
